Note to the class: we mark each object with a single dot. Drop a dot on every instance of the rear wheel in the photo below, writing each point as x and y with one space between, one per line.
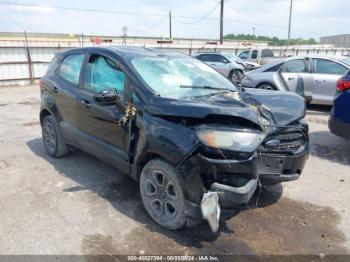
52 138
162 194
266 86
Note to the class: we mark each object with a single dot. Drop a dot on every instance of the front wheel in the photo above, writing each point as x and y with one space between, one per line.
237 76
266 86
162 194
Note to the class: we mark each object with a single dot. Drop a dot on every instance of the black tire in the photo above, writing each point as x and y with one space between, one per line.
162 194
52 138
237 76
266 86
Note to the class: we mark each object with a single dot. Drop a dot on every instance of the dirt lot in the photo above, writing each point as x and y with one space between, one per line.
79 205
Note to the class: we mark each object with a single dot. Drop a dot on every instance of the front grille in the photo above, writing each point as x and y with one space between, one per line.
286 142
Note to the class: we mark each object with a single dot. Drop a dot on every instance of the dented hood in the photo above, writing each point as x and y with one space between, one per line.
257 106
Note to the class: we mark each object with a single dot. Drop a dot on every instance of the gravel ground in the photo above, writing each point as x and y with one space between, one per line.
79 205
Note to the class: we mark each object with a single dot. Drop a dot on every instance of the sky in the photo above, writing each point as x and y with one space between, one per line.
311 18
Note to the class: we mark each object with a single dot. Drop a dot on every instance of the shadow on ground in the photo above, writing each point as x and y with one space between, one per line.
263 227
327 146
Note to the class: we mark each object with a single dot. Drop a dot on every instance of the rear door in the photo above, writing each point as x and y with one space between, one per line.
325 73
296 75
65 87
98 123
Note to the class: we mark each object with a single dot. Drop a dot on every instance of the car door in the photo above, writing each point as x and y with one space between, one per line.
296 75
65 85
100 124
325 73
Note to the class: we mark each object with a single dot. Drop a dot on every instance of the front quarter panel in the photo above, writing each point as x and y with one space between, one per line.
167 139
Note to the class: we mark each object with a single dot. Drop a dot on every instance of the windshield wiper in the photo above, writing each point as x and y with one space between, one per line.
206 87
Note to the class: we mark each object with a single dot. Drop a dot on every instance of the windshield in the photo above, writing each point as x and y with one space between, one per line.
180 78
233 57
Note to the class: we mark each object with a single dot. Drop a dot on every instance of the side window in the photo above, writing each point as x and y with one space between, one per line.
244 55
220 59
205 58
102 74
255 54
267 53
70 68
295 66
324 66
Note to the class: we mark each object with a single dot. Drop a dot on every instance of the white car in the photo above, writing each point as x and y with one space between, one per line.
313 77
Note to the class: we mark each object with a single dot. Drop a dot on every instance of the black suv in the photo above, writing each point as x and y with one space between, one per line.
194 141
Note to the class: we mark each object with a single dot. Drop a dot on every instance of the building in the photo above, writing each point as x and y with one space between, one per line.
336 40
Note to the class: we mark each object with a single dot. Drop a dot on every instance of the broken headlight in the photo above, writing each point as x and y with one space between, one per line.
233 140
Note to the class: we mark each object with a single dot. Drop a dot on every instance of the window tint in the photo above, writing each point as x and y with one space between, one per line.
71 67
295 66
213 58
102 74
205 58
267 53
323 66
255 54
244 55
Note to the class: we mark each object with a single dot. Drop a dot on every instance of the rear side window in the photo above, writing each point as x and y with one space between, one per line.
295 66
324 66
70 68
267 53
52 65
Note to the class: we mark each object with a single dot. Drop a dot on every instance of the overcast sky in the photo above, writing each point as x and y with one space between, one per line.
311 18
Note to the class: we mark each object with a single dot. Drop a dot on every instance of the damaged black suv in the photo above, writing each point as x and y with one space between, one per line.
195 141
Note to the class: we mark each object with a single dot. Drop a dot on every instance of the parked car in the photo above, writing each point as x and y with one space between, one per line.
260 56
248 65
223 63
339 120
313 77
193 140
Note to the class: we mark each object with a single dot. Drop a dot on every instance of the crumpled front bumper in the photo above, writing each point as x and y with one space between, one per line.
220 175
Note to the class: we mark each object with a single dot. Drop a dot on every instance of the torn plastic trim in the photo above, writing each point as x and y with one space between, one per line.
210 209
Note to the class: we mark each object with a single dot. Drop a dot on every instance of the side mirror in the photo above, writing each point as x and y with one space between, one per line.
106 97
225 61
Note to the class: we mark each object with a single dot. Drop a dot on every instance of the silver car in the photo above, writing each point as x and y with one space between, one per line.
223 63
313 77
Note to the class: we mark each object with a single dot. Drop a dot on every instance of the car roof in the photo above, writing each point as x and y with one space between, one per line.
129 51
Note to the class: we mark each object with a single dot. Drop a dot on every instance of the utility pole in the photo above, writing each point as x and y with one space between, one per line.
290 20
170 35
221 21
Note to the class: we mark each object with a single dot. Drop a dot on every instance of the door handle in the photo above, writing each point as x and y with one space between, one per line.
290 78
55 90
87 104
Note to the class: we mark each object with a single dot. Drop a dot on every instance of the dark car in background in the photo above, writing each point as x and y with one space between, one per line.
194 141
339 121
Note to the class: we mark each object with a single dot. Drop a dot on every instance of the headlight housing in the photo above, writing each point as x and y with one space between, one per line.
245 141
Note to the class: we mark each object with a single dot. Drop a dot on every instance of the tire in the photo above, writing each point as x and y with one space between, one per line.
162 194
266 86
52 138
236 76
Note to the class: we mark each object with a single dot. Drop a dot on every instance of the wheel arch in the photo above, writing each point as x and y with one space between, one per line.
266 82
